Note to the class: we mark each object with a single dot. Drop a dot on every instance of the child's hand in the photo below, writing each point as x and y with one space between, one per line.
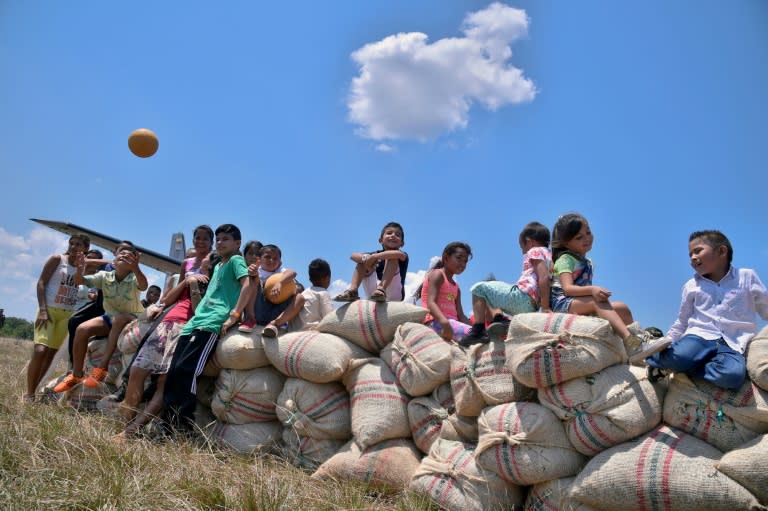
600 294
253 270
201 279
131 259
80 262
42 320
370 263
446 331
229 323
276 289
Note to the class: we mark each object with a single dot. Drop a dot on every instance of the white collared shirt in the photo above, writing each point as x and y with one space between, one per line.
724 309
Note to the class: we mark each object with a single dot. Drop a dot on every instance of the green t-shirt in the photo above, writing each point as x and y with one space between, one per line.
220 297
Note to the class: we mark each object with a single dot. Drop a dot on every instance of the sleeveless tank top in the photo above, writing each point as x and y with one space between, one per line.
61 292
446 297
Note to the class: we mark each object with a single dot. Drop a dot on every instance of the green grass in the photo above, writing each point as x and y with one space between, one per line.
52 458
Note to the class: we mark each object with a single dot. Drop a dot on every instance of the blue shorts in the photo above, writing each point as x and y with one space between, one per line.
507 297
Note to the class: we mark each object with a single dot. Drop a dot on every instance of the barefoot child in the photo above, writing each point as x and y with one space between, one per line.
442 296
56 297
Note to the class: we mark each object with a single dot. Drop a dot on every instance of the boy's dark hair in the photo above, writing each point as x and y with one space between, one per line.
535 231
124 245
252 246
393 224
565 229
230 229
270 246
95 252
714 239
82 237
153 286
204 227
318 270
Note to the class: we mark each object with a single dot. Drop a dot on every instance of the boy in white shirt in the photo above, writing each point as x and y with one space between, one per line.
716 319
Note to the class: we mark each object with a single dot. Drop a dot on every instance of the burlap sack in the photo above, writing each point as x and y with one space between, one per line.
206 388
549 495
419 358
757 359
315 410
387 466
452 479
480 377
131 336
96 350
525 444
243 397
426 415
245 438
606 408
311 355
665 469
747 466
379 404
459 428
80 397
211 368
306 452
546 349
724 418
238 350
370 325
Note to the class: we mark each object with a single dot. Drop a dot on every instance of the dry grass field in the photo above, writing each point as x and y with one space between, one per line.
53 458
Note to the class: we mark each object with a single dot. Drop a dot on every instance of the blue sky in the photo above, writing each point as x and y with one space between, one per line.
311 124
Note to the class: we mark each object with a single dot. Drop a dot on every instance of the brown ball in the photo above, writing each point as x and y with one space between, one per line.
143 142
287 290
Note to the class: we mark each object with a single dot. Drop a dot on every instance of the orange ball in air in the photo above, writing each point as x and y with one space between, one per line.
143 142
287 289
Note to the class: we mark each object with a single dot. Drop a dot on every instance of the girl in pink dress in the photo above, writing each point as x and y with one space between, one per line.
441 295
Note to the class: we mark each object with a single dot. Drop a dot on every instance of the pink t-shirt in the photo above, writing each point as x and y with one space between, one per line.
528 281
446 297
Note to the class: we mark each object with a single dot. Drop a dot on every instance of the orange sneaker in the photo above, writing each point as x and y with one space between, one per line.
68 383
97 376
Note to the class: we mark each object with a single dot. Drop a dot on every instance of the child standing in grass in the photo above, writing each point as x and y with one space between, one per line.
56 296
122 289
219 310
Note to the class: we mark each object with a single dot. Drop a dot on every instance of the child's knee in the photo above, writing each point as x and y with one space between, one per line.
729 379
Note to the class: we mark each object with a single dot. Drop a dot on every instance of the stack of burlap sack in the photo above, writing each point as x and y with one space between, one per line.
552 417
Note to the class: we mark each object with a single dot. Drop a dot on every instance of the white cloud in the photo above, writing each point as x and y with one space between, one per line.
385 148
409 88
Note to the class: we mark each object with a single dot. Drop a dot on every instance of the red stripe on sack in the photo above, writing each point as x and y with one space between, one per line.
377 324
548 322
536 359
293 355
541 499
387 397
665 493
640 469
325 399
361 316
748 395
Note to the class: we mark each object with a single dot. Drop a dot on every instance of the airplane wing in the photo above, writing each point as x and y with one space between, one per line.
159 262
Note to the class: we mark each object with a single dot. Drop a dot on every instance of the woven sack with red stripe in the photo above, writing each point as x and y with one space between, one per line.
306 452
546 349
379 404
724 418
243 397
606 408
426 415
386 466
238 350
453 480
311 355
549 495
747 466
459 429
419 358
525 444
371 325
481 377
666 470
316 410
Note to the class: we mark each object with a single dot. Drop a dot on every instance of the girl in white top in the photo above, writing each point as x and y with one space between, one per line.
56 297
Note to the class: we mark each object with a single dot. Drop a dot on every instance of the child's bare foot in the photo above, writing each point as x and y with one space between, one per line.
126 412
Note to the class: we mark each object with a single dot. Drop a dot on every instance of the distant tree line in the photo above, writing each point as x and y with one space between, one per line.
17 328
